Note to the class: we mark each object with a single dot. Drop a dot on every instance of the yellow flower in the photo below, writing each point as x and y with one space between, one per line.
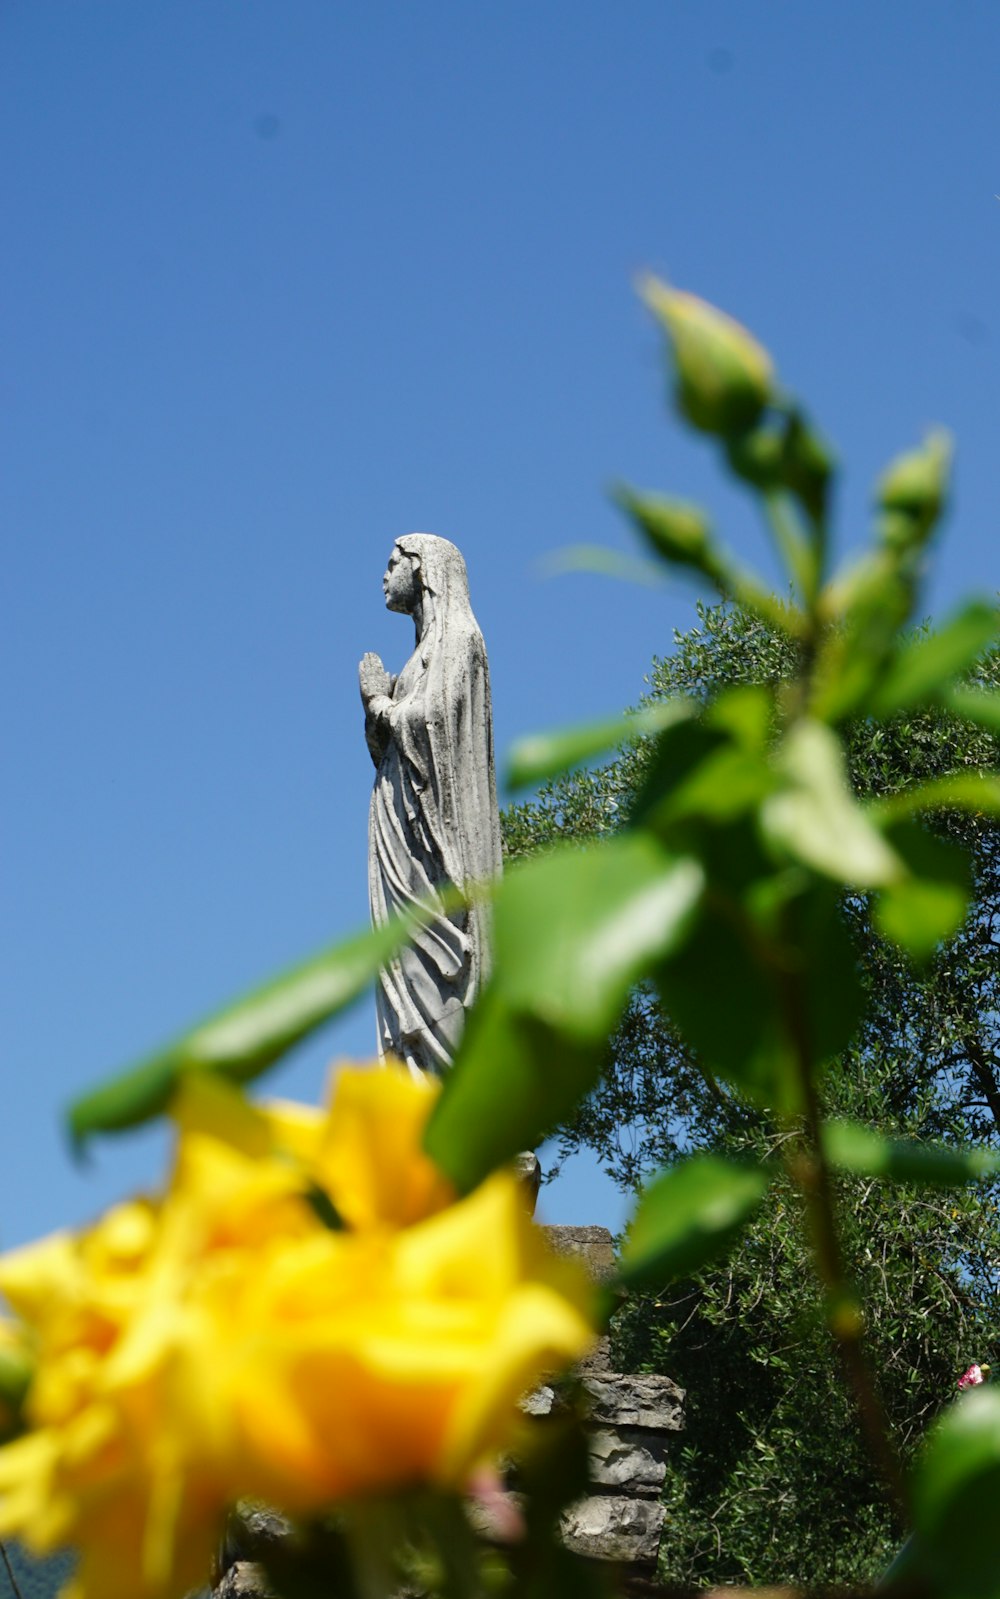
383 1362
223 1342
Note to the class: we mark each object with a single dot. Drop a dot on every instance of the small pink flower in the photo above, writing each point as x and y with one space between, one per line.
495 1513
973 1377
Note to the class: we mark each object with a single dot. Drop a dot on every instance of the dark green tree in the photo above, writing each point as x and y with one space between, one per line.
774 1484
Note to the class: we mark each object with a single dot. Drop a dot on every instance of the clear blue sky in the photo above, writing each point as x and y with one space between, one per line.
284 280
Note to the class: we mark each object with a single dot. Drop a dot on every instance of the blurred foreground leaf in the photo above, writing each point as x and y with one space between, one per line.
924 665
573 931
859 1149
542 755
688 1215
975 705
243 1040
955 1494
920 911
816 819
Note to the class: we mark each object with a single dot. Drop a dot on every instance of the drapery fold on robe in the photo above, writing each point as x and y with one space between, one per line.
433 818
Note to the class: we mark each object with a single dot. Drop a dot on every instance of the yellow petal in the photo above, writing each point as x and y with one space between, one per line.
370 1159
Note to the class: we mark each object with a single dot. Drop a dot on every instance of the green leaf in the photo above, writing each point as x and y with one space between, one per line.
809 465
955 1494
243 1040
975 791
729 782
923 909
688 1215
744 1039
679 751
815 818
573 930
866 1153
713 768
543 755
975 705
927 664
746 713
515 1077
603 562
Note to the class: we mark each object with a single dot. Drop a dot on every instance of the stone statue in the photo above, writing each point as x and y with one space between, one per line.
433 819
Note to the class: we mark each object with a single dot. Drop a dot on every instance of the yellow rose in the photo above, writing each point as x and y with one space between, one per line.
223 1342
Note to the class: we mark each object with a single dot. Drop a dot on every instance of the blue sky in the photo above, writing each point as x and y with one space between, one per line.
284 281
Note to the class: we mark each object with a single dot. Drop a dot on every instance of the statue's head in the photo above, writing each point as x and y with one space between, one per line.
422 563
439 566
401 581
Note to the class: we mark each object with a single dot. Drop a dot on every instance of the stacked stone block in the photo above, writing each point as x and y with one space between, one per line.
632 1422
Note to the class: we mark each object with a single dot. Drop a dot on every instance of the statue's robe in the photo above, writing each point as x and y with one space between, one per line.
433 821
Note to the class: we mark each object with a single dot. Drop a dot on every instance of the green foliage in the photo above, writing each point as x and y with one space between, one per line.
752 1497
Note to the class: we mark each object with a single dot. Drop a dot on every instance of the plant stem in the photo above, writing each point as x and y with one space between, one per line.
10 1571
809 1171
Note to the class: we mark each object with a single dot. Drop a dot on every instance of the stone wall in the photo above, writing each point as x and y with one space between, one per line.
633 1420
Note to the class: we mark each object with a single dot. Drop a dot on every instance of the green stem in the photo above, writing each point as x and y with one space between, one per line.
811 1174
800 553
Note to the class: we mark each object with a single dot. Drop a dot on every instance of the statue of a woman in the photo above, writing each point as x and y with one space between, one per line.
433 819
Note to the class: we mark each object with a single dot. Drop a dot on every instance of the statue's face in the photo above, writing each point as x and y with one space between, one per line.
400 584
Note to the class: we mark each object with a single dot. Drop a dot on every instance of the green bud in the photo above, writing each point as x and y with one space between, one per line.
724 377
916 484
808 465
784 452
678 531
758 457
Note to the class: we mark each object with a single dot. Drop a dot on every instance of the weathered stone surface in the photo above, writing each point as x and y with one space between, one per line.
543 1401
263 1526
630 1459
251 1528
599 1358
529 1171
433 816
244 1580
624 1400
591 1245
608 1527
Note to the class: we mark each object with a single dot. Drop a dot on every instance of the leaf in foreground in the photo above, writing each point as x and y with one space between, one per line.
687 1216
243 1040
955 1494
574 930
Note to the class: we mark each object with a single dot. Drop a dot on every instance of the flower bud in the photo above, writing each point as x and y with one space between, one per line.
724 377
915 484
678 531
758 457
